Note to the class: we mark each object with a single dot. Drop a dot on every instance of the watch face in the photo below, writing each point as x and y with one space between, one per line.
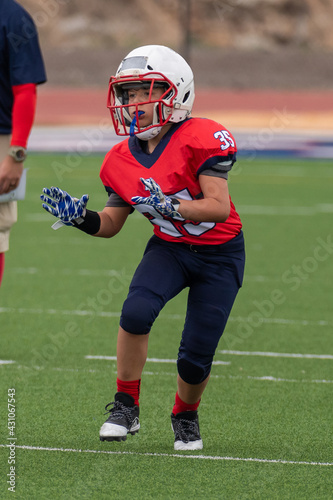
20 154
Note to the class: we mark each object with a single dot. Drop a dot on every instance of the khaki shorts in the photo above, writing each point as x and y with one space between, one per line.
8 211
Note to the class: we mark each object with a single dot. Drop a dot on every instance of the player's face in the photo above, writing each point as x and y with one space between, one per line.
137 96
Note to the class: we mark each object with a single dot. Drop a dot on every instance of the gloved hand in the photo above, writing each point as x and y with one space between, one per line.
157 199
63 205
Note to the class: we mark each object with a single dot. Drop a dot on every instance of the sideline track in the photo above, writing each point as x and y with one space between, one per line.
264 122
78 141
172 455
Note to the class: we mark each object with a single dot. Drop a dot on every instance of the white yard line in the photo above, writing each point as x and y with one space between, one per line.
277 354
171 455
66 271
268 378
265 378
110 314
59 312
285 321
107 272
152 360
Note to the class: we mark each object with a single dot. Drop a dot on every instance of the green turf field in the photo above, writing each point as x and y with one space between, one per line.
266 419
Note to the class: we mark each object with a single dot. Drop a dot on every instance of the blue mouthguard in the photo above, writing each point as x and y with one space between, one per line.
134 123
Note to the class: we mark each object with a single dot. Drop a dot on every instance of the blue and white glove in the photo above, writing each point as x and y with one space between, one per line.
62 205
161 202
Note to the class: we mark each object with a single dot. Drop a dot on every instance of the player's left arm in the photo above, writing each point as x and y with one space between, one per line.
215 204
22 120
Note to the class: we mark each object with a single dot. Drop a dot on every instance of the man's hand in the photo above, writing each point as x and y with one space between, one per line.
62 205
157 199
10 174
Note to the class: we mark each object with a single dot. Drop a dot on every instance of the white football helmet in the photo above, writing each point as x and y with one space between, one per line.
147 67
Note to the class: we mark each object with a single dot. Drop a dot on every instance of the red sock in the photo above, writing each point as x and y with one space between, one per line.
180 406
2 265
132 388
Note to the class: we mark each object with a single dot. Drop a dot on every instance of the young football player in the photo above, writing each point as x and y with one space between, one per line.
173 169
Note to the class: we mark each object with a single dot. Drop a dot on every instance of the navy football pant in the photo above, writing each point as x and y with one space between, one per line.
213 275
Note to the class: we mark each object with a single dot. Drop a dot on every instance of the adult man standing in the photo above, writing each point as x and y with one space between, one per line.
21 69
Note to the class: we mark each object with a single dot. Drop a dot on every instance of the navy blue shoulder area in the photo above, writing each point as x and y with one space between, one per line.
220 163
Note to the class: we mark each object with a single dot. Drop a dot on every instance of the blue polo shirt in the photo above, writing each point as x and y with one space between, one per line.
20 57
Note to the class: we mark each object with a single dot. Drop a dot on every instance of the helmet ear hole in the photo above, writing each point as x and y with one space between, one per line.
186 96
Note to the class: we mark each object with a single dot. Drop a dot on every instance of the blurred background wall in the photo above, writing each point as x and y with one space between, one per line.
263 68
232 43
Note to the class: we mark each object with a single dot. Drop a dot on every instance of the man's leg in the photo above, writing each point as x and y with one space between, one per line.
8 212
2 265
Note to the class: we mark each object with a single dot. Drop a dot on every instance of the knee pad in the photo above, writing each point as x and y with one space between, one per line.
193 372
138 314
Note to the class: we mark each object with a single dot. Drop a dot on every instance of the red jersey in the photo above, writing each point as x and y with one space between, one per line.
185 151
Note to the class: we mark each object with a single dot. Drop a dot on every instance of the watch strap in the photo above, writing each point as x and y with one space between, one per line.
18 153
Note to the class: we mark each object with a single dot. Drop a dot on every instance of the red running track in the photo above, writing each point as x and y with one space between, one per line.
57 106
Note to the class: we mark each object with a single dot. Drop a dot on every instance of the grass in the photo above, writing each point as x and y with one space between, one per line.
60 302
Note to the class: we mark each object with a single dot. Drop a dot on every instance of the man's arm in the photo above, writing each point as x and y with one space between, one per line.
22 119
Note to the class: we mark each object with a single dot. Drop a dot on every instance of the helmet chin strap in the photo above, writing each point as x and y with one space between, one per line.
149 134
133 123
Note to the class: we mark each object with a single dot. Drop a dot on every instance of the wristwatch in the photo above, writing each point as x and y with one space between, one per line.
18 153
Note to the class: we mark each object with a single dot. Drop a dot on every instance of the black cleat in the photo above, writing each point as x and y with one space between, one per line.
185 425
123 419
